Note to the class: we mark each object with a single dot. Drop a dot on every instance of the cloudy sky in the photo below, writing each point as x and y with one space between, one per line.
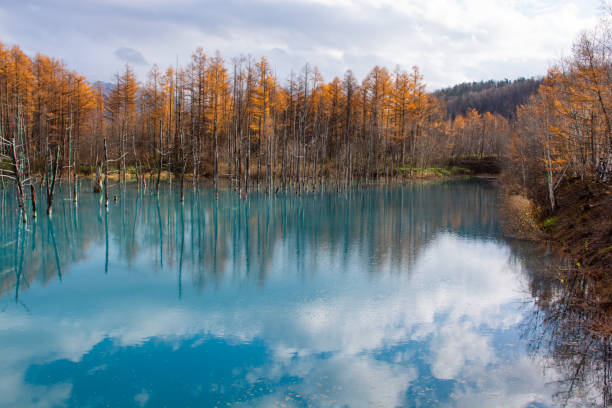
450 40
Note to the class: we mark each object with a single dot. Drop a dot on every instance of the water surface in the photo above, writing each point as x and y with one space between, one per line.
382 297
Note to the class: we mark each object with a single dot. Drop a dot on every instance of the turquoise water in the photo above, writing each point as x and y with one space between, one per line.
384 297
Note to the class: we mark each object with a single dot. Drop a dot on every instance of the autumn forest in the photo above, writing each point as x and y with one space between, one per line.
212 119
217 232
238 122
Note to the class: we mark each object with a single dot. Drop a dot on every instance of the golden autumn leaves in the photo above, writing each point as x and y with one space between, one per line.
240 121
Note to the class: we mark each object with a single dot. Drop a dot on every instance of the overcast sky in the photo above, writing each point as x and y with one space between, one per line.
451 41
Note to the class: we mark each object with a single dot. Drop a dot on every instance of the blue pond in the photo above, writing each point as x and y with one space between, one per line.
376 297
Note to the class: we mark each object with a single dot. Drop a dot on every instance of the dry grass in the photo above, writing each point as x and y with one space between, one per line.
519 217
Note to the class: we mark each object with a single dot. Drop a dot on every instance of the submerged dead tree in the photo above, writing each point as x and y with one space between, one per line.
14 152
17 163
97 187
52 164
105 175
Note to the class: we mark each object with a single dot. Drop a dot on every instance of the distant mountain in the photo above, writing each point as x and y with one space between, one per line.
488 96
106 86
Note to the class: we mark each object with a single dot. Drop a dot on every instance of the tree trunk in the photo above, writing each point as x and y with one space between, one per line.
105 175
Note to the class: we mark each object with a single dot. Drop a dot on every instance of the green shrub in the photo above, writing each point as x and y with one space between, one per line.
549 222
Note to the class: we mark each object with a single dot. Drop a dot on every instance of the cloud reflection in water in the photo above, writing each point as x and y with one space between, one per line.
392 297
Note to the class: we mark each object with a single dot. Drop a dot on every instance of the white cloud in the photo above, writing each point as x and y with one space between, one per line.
451 41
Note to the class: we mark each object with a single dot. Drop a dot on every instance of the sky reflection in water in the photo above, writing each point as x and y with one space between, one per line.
384 297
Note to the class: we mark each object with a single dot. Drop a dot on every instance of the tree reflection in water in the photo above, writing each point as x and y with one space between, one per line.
571 330
206 243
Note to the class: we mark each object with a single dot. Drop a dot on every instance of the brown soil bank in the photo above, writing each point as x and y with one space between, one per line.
582 224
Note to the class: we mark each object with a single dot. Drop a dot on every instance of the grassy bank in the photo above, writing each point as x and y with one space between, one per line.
456 167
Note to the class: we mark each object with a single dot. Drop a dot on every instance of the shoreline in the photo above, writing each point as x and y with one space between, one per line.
429 174
579 224
580 229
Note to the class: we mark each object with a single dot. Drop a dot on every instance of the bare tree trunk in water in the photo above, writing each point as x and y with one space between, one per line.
51 178
105 175
18 182
183 182
97 188
74 187
161 159
33 193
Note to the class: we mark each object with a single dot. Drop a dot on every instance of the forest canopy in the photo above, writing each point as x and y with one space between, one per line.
217 119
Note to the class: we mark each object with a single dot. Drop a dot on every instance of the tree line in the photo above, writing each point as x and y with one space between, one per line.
235 121
564 130
239 122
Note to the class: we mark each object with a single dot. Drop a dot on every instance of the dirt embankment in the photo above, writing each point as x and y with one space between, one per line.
581 225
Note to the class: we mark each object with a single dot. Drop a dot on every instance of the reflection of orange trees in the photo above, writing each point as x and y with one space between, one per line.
236 239
567 326
574 332
44 250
